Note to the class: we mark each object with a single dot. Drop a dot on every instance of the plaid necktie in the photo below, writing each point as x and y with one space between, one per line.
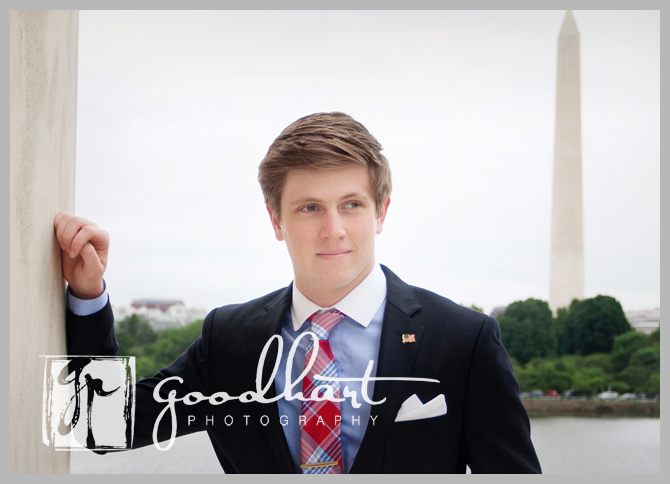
320 439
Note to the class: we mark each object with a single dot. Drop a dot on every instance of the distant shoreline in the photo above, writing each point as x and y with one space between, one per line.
591 408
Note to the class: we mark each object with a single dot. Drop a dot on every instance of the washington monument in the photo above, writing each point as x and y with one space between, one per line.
566 271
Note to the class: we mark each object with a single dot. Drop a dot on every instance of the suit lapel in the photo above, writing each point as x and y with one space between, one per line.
262 329
396 359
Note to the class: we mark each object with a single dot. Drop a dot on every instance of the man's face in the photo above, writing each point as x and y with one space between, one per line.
329 223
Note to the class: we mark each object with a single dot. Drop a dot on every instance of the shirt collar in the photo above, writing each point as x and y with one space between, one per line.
361 304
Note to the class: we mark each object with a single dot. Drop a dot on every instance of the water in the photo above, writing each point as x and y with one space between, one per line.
571 445
191 454
565 445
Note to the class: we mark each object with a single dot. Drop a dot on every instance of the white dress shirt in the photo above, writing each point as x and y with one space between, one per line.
354 342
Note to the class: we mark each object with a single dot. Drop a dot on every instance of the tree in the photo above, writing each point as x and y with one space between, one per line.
520 373
476 308
132 332
527 330
619 386
653 386
636 377
153 350
590 374
598 360
649 358
643 365
170 344
625 345
565 329
562 325
596 323
546 376
589 380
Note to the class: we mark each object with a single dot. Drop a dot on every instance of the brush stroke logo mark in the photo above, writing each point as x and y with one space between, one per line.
89 402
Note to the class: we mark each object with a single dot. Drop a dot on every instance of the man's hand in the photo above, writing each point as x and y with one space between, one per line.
85 248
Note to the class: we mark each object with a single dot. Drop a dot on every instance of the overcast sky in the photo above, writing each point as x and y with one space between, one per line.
177 109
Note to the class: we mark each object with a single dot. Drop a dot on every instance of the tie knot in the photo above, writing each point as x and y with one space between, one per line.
324 321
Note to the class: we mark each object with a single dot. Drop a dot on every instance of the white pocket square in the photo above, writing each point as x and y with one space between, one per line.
413 409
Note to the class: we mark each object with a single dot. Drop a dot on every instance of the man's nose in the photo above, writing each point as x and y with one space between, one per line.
333 226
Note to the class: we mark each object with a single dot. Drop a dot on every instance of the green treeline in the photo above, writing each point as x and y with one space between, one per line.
587 348
153 350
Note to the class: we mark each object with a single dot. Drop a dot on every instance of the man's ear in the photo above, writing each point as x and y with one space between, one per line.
382 215
275 224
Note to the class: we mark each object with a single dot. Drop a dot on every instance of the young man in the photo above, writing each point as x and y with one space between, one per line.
411 382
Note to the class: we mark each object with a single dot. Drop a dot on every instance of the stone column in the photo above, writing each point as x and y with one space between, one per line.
567 237
43 47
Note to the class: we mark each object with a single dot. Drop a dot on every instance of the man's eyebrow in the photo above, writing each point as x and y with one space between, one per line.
311 199
352 195
299 201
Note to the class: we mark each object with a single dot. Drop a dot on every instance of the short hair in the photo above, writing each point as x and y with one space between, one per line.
323 140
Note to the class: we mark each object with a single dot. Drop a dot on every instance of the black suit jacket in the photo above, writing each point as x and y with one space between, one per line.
486 426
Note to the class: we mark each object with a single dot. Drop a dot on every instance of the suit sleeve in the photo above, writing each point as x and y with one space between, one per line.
497 428
91 335
94 335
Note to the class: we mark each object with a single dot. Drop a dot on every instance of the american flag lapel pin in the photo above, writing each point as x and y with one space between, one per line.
408 338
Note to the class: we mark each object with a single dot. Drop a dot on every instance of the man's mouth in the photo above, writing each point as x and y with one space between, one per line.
334 254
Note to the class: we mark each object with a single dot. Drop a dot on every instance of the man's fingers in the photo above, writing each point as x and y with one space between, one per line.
70 230
58 218
67 224
83 236
60 222
78 236
92 262
94 236
88 284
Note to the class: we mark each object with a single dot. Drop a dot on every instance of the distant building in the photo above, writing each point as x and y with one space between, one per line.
498 311
161 313
645 321
162 304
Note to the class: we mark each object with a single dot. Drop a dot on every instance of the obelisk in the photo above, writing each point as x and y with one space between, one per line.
566 270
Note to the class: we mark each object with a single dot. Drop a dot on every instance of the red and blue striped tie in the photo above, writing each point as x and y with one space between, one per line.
320 437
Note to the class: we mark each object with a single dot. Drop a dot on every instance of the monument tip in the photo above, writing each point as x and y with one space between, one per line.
569 26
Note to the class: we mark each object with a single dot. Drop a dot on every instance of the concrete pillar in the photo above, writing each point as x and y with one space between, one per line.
567 237
43 108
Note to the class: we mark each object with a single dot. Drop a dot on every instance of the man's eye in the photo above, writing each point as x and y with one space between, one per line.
308 208
352 205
